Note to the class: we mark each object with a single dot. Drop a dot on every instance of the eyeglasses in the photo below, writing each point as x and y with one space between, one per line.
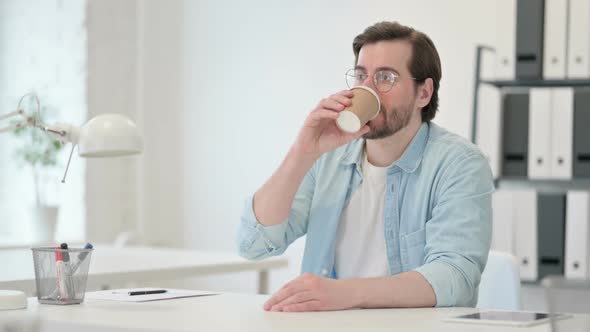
383 79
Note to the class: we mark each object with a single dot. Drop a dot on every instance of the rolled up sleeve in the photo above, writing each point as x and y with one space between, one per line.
458 235
257 241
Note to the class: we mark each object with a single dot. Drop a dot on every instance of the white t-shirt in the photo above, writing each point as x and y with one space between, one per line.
360 243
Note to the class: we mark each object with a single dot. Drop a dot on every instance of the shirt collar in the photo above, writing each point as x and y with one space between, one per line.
410 159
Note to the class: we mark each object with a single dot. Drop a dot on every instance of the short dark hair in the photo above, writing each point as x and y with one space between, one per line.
425 62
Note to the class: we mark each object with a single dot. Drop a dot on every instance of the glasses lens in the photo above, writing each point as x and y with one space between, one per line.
384 80
354 78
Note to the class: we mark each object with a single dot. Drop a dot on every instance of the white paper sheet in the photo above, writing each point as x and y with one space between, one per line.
123 294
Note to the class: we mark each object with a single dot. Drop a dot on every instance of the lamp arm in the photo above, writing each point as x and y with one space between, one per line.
19 112
65 133
12 114
29 121
12 127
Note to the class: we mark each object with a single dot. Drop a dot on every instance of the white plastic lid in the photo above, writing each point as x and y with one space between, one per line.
11 299
348 122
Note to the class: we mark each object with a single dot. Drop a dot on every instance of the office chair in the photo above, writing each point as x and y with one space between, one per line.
499 288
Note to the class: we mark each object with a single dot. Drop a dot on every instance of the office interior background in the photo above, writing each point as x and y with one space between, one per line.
219 90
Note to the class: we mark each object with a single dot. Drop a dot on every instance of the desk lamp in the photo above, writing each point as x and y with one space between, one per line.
106 135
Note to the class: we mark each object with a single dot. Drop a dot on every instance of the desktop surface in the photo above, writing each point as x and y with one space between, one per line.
243 312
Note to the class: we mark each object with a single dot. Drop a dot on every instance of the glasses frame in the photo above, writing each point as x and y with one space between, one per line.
349 73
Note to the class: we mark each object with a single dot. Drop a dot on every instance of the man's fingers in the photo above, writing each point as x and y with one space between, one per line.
299 297
282 294
322 113
342 99
313 305
346 93
332 104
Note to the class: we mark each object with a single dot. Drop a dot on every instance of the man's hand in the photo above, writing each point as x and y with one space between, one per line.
309 292
320 133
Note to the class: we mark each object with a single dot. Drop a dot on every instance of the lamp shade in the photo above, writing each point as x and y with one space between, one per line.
109 135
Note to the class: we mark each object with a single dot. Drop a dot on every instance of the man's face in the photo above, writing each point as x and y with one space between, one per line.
398 105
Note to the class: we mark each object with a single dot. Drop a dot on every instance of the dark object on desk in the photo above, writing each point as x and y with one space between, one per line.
148 292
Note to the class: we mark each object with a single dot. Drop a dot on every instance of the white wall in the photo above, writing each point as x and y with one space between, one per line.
111 184
160 103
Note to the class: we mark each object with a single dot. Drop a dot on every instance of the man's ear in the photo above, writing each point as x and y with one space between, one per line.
425 92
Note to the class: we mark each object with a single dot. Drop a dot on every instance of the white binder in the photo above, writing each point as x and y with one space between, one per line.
503 217
578 64
525 233
577 235
506 40
539 133
555 39
489 126
562 133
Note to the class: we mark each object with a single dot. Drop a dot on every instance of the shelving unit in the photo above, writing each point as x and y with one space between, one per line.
500 84
540 198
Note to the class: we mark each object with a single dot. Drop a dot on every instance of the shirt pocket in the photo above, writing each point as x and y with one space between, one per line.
413 249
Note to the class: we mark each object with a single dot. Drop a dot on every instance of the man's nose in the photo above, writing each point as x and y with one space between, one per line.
369 82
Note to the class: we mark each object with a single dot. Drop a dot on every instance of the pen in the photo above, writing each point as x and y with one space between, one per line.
81 257
67 276
65 254
147 292
59 269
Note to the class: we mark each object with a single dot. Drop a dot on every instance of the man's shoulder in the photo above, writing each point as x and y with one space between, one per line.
444 145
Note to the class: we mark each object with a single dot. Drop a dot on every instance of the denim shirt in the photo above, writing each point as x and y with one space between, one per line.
437 217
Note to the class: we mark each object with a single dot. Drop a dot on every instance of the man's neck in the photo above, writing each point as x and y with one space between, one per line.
384 152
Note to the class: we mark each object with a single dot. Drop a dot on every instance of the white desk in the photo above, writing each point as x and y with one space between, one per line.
110 265
242 312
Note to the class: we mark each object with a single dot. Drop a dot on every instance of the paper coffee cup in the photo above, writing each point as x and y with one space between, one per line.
365 107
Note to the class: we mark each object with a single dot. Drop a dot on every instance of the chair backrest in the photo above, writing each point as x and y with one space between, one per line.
500 283
567 295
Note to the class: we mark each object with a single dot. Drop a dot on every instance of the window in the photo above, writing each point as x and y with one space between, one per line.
42 50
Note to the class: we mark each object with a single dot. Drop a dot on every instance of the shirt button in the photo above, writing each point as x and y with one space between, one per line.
324 272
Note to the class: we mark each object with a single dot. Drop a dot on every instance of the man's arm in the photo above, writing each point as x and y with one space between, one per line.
404 290
278 212
309 292
273 200
458 235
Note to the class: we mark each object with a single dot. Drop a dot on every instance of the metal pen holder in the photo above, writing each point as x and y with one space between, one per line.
61 274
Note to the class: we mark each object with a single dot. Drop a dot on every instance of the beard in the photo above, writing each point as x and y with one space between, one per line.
394 120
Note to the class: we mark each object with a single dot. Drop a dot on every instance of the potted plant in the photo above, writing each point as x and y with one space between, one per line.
39 151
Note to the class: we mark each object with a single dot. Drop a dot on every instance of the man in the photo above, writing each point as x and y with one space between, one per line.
396 215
